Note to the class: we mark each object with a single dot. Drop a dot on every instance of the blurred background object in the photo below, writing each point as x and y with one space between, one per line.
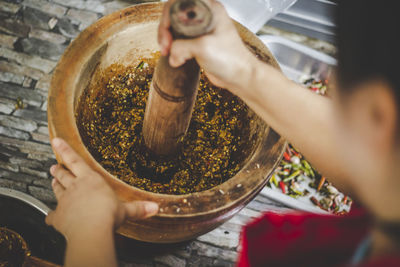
254 14
25 215
312 18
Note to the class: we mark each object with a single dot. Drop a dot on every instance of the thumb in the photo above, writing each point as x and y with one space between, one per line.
182 51
50 218
140 209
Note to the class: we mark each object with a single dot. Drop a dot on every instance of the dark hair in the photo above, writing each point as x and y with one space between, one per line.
368 40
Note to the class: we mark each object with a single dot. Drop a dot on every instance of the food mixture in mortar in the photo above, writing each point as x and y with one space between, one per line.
110 115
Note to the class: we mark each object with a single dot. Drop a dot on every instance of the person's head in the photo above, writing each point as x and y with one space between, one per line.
368 94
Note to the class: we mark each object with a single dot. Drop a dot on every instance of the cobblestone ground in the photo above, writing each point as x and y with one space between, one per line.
33 35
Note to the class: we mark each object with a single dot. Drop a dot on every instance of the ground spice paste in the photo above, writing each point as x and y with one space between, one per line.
110 115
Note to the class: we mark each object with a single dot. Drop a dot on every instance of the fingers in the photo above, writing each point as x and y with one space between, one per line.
164 35
63 176
182 51
57 188
70 158
218 9
140 209
165 39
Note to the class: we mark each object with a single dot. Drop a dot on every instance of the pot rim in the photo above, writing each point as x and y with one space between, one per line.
31 201
172 205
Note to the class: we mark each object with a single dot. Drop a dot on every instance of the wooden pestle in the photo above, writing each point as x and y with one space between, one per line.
173 91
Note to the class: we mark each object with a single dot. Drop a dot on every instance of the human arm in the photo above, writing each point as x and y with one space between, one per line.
88 210
303 118
93 245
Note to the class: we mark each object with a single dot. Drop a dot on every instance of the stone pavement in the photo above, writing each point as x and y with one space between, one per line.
33 36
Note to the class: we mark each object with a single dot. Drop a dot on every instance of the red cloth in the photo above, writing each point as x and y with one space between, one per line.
305 239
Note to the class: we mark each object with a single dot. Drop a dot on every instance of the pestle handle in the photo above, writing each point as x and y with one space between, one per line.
190 19
173 91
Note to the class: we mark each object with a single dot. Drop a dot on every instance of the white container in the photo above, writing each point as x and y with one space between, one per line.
255 13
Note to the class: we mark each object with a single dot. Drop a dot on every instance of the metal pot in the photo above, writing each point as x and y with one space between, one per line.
25 215
123 37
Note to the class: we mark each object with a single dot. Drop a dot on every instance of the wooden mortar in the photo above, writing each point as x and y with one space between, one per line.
124 37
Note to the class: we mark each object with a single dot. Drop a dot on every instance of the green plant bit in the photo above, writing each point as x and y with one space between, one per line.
292 176
19 103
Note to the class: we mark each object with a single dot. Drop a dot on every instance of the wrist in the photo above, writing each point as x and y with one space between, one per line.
91 245
246 85
89 229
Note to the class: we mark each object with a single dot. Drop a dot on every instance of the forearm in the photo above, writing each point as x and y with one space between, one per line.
305 119
92 246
